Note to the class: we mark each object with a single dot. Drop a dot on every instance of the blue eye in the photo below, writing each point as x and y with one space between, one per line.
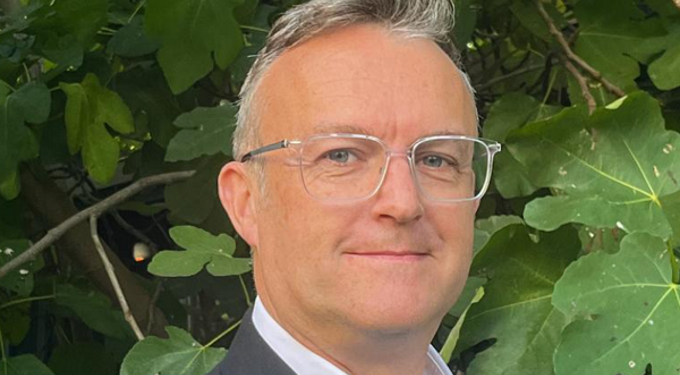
433 161
340 156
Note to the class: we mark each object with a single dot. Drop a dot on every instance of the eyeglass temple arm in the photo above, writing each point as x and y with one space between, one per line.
271 147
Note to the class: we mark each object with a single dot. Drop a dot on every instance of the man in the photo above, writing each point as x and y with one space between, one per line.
357 179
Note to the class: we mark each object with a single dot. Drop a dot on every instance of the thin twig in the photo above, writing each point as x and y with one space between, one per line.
583 83
55 233
573 56
114 280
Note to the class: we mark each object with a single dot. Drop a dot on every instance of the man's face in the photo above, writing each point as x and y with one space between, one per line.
308 261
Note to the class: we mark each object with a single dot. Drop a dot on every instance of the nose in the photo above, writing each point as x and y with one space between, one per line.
398 197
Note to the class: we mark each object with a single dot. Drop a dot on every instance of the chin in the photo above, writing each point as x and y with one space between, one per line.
397 316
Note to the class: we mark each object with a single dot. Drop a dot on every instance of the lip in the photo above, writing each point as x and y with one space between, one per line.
402 256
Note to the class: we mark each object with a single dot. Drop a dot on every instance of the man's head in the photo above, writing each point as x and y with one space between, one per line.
368 67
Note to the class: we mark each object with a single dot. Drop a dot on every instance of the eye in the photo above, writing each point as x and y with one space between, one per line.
437 161
340 156
433 161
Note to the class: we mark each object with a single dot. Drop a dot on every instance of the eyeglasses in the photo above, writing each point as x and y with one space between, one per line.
347 167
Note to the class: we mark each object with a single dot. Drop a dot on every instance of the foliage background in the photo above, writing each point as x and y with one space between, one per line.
576 245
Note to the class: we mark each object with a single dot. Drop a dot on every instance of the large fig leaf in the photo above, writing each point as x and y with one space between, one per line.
509 113
191 32
180 354
614 169
516 308
630 307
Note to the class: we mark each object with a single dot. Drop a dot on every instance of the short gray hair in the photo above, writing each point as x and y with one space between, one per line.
428 19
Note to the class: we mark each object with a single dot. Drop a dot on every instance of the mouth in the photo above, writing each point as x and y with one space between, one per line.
398 256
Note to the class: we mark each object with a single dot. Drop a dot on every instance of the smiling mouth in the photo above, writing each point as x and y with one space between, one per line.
390 255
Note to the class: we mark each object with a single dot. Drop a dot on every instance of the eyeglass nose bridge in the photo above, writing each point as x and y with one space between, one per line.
384 169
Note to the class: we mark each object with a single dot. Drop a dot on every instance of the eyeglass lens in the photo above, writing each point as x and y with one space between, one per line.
342 168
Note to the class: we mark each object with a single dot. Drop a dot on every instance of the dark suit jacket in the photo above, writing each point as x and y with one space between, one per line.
249 354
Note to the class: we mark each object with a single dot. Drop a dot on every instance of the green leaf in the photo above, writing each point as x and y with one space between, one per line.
148 93
454 335
82 19
206 131
609 35
19 281
485 228
507 114
131 40
178 355
516 308
202 249
26 364
95 310
665 71
31 103
89 107
15 321
633 309
526 12
192 32
612 170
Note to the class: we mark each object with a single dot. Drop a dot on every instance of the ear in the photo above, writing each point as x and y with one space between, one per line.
235 189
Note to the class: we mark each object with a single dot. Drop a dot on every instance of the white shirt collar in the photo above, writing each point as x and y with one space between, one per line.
305 362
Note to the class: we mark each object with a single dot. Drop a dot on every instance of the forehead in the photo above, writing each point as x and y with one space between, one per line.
364 78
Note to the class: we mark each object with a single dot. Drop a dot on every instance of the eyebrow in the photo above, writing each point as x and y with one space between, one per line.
355 129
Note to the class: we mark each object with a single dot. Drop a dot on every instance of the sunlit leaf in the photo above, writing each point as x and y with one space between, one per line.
180 354
202 249
632 309
89 108
614 169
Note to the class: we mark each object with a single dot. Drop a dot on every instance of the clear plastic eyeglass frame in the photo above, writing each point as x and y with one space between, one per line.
491 147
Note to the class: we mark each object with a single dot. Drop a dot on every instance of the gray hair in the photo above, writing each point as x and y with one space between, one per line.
428 19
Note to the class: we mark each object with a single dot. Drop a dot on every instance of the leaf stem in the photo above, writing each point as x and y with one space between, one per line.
675 268
26 300
226 332
254 28
245 290
28 74
10 87
137 9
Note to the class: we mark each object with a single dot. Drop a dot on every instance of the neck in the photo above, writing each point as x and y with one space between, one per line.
356 351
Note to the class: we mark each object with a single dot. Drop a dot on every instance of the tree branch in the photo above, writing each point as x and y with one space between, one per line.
583 83
114 280
573 56
55 233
